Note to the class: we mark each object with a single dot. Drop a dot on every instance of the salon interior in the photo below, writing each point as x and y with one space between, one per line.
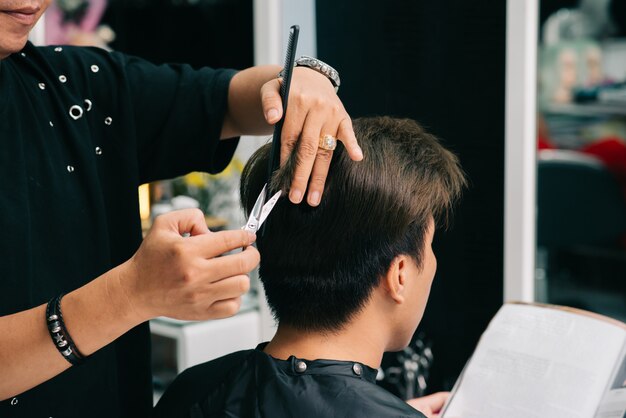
530 94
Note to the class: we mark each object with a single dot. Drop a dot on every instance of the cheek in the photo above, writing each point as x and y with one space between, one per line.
431 267
422 289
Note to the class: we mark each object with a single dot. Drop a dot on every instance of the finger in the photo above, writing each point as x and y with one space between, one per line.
437 400
345 134
307 152
320 170
415 403
224 308
185 221
218 243
271 102
292 128
228 288
318 176
232 265
422 407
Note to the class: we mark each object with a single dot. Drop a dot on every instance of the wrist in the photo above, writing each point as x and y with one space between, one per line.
99 312
121 289
319 66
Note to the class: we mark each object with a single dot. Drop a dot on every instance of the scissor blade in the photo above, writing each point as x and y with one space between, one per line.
260 201
253 221
267 208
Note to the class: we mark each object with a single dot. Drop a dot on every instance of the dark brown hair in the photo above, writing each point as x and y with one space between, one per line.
319 265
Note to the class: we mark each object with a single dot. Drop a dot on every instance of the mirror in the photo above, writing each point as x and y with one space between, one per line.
581 155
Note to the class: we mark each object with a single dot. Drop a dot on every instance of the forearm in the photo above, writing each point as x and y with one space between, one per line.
245 111
95 315
172 274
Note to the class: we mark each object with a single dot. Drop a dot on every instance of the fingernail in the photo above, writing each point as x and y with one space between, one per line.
359 153
295 196
314 198
251 237
271 115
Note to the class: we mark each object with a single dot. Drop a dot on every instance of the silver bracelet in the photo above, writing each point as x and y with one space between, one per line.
319 66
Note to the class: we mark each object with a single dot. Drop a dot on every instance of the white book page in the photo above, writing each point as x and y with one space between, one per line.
613 404
536 362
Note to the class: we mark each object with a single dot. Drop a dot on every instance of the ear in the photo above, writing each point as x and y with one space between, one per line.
395 279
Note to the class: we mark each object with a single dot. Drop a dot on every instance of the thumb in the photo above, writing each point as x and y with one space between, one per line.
271 102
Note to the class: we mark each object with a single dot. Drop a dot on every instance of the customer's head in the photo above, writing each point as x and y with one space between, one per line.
321 265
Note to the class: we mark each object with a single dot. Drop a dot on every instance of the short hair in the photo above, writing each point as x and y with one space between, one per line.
320 264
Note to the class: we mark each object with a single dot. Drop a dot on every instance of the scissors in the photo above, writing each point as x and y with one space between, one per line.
260 210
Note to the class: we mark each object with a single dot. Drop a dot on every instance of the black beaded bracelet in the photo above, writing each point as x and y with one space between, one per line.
60 337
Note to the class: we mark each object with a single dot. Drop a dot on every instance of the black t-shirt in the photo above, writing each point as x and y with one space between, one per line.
252 384
80 129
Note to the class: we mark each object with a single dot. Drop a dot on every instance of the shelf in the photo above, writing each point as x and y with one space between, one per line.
194 343
589 109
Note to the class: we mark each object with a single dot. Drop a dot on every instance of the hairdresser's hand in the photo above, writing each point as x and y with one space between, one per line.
185 277
430 405
314 110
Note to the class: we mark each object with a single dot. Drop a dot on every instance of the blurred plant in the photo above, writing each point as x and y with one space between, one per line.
73 10
218 194
77 22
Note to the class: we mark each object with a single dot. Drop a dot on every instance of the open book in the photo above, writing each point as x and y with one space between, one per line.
542 361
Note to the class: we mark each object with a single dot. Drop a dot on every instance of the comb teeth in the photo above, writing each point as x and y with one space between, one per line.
288 58
292 44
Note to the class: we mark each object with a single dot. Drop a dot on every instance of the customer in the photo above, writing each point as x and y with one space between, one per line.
346 281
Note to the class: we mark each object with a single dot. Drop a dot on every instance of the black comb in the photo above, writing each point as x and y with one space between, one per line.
290 57
274 160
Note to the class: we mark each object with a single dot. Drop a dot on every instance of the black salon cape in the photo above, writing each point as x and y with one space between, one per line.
68 195
251 384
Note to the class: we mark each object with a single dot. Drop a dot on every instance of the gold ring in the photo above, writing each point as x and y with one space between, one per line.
328 142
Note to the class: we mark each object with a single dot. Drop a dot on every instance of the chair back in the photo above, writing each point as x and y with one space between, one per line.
579 202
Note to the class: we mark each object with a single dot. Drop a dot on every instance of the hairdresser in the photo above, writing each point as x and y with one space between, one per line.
80 129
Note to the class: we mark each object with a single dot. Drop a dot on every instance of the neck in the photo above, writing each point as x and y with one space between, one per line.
359 341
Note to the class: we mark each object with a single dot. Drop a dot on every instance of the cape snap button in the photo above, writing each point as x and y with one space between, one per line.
301 367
